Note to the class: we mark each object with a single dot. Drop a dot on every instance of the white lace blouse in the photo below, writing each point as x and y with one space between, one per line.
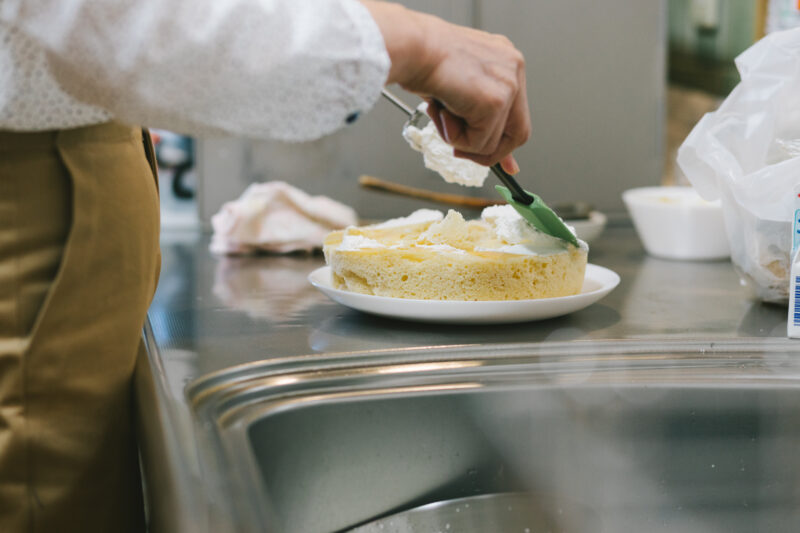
281 69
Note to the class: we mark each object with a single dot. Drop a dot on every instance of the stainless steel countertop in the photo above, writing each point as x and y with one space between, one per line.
212 313
215 312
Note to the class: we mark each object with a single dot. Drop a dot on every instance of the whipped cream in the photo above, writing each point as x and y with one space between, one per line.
419 216
438 156
518 236
353 243
450 228
441 248
507 232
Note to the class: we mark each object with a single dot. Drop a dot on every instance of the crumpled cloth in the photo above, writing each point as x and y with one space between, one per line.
278 218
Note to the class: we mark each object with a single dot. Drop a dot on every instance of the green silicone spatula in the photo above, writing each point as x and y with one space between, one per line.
527 204
539 215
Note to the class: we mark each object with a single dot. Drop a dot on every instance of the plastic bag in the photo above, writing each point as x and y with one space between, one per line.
748 154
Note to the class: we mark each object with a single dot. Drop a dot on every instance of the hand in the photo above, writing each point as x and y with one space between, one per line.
474 81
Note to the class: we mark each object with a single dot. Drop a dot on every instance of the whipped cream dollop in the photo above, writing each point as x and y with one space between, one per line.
518 235
438 156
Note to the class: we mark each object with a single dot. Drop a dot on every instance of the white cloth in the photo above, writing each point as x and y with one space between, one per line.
276 217
282 69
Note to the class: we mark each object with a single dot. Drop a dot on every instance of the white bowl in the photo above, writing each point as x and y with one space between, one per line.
589 229
676 223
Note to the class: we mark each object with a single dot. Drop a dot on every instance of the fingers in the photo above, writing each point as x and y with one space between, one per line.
435 113
510 164
446 122
478 127
508 132
454 128
515 131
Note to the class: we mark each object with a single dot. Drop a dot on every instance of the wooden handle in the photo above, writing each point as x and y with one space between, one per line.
371 182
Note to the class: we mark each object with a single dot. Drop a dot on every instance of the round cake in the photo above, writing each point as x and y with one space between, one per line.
430 256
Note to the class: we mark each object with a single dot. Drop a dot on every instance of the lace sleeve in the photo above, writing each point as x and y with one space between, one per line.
282 69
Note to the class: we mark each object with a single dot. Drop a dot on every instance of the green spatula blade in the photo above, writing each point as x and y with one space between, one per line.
539 216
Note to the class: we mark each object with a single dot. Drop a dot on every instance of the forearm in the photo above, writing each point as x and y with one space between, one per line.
405 38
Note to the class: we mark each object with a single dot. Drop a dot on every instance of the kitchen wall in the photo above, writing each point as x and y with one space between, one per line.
596 74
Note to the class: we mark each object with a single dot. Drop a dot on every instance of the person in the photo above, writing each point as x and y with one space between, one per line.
78 194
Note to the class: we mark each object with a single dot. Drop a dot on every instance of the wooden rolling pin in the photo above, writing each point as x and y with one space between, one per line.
371 182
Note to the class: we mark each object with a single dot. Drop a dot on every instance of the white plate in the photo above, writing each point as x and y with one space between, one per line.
598 282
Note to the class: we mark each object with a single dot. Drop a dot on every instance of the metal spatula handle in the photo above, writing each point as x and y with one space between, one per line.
399 103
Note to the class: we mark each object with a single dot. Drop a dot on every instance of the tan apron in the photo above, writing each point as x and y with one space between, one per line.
78 266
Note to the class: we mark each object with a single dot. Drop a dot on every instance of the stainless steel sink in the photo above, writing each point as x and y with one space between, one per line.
681 437
517 512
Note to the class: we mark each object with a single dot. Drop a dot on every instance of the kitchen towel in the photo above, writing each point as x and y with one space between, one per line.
279 218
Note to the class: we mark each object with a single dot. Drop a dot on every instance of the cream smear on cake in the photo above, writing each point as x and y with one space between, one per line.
441 248
438 156
417 217
518 236
356 241
352 242
509 233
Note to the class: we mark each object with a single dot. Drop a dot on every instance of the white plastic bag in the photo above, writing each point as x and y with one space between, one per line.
748 154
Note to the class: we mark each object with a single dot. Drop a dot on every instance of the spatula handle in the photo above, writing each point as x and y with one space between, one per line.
508 180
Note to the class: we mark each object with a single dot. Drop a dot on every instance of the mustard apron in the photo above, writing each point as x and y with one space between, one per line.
78 266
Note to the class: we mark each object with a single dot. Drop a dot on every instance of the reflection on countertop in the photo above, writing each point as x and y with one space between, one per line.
273 290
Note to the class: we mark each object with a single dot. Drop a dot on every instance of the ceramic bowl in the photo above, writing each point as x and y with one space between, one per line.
676 223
